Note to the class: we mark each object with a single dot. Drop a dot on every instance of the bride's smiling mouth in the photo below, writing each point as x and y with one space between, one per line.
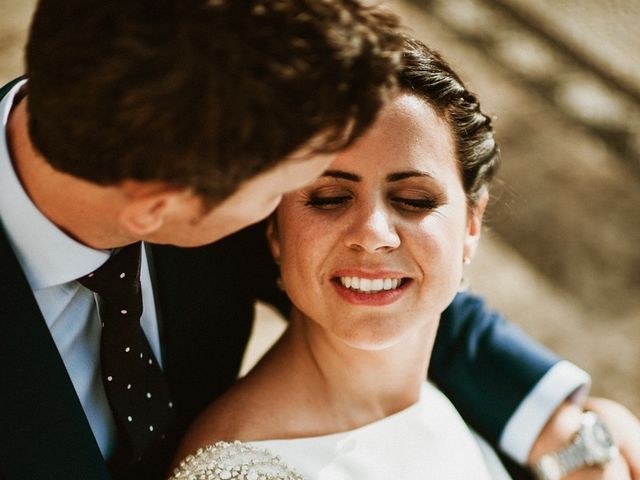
376 290
370 285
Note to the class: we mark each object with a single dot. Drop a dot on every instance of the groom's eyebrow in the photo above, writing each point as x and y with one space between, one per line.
343 175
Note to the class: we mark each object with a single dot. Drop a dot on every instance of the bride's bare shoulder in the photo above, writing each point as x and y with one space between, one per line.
239 414
255 408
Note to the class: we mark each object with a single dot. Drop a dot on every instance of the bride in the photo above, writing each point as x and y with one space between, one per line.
370 255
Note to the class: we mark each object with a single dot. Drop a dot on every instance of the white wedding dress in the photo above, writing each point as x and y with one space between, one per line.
428 440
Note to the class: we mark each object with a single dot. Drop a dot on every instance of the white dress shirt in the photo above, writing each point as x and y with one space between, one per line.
52 261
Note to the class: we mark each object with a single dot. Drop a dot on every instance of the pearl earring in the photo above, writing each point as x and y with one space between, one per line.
464 282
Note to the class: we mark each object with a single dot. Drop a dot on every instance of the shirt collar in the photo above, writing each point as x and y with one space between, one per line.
48 256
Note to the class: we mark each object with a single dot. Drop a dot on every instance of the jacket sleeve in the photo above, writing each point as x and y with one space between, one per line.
485 365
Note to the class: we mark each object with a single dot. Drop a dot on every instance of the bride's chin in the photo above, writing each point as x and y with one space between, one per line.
368 338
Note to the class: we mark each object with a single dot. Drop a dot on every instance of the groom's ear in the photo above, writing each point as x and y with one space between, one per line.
273 237
149 206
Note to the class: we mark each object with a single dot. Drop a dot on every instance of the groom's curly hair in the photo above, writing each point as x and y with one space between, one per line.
202 93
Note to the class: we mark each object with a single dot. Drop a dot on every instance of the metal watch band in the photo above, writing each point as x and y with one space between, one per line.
548 468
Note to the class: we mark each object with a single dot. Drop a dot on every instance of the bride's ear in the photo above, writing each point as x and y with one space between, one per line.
474 225
273 237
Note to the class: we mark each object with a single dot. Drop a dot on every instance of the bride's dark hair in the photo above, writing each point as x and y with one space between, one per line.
426 74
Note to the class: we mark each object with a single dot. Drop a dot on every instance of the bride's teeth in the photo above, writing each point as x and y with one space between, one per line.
369 285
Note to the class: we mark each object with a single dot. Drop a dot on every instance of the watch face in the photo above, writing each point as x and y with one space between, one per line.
599 443
602 435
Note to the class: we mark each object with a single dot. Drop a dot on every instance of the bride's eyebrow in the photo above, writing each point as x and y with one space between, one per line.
397 176
343 175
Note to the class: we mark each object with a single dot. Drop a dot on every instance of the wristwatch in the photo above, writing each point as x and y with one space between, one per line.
592 445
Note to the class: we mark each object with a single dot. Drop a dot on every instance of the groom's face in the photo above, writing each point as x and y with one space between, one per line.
253 201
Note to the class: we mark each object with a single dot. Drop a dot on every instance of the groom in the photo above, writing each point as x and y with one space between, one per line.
179 123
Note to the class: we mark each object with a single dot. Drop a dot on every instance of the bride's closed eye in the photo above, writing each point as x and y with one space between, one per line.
328 198
328 203
417 205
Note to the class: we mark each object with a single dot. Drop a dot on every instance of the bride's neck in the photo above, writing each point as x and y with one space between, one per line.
357 385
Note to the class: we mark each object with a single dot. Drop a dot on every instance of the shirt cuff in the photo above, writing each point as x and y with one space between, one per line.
563 381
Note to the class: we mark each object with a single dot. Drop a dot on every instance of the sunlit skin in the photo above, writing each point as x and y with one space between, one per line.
393 207
253 201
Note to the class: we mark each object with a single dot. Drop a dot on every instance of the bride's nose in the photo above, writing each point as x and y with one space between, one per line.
372 229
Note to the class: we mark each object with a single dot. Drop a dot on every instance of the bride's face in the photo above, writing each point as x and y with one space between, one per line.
374 249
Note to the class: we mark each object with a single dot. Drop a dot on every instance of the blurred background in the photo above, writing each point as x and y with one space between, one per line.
561 251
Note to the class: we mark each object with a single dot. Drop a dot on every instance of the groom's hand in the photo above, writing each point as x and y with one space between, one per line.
624 427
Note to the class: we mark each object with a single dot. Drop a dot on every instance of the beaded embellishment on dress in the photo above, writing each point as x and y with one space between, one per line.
233 461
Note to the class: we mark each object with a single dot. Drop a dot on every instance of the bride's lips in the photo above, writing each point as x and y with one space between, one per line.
372 288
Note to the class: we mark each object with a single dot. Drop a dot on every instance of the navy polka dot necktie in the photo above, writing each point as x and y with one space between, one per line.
135 386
